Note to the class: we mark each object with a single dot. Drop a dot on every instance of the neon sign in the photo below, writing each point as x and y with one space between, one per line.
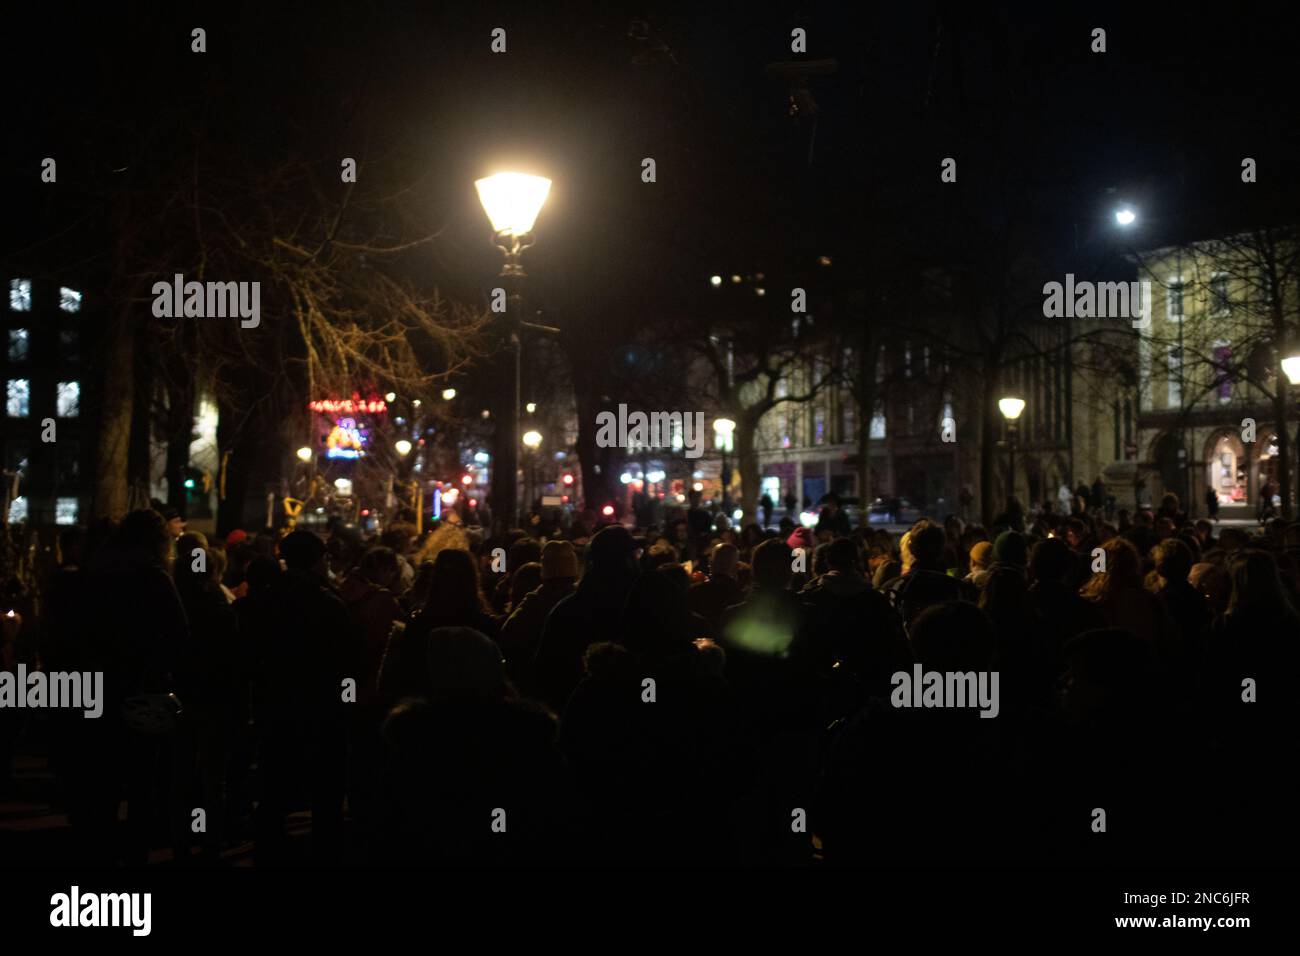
356 405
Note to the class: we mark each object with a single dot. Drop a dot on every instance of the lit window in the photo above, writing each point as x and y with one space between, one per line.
65 510
68 402
20 295
18 342
69 299
819 426
17 397
1174 301
878 421
18 509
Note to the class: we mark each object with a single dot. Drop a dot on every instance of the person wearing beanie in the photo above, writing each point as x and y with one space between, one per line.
522 632
981 559
1011 548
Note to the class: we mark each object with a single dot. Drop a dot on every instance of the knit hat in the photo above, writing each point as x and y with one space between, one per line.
1011 548
981 555
800 538
559 560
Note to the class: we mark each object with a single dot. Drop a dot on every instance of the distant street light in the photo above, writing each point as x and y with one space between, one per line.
533 439
723 428
1011 409
304 454
1125 216
390 397
512 202
403 447
448 394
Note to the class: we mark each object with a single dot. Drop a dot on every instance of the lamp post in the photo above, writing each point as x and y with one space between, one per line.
512 202
722 432
532 441
1011 409
1291 368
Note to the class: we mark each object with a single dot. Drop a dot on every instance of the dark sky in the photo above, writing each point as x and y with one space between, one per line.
1042 128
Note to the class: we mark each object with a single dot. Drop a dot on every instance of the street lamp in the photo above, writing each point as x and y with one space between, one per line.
304 454
1125 216
723 428
532 441
1011 408
448 394
403 447
512 202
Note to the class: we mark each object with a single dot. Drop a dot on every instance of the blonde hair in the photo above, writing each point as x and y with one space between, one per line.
446 537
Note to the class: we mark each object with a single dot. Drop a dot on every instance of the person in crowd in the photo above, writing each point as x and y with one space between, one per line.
470 749
588 616
305 646
521 634
455 599
1118 594
710 598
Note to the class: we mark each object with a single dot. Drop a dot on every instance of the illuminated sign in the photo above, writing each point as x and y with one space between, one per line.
356 405
345 440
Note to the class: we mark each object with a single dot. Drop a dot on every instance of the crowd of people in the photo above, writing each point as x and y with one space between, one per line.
689 693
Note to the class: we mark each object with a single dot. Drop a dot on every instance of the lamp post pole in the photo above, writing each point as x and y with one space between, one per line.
512 202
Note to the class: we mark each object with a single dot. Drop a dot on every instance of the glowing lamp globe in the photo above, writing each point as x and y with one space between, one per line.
512 201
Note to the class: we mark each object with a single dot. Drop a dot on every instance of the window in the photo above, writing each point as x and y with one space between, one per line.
20 295
65 510
18 509
69 345
1175 397
16 457
819 426
18 343
1174 302
1219 303
1223 371
18 398
68 400
69 463
69 299
878 420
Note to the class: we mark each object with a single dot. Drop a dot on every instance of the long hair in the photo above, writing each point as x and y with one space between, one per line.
454 591
1256 584
1123 571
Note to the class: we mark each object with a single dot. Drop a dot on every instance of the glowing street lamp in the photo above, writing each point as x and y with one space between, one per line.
1125 216
304 454
512 202
723 428
403 447
1011 408
448 394
533 439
